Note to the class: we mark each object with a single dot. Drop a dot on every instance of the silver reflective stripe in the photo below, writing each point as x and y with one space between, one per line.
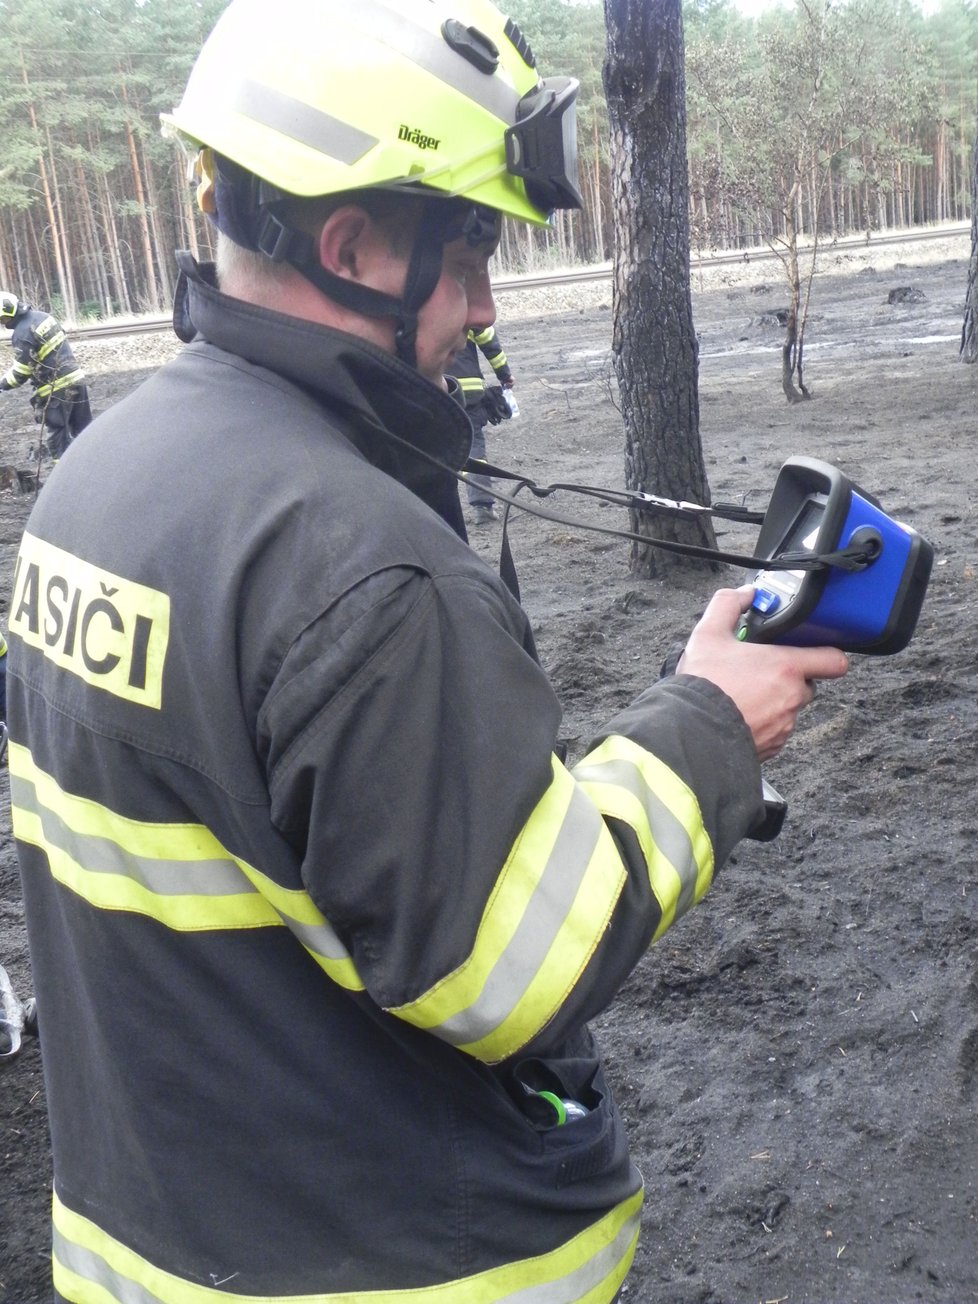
92 1267
319 938
668 832
216 877
320 131
527 949
569 1289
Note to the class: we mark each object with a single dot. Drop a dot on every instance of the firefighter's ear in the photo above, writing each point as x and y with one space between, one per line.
349 243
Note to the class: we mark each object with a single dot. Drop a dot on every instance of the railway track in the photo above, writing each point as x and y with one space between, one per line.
594 272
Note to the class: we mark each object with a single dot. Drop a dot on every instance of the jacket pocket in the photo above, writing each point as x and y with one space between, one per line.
567 1102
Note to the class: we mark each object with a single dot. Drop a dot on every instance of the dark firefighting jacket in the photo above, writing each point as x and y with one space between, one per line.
315 911
467 370
42 355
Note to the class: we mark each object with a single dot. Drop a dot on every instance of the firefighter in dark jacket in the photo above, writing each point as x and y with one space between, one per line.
43 356
314 948
485 404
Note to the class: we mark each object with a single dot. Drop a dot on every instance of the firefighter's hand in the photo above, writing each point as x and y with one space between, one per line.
768 682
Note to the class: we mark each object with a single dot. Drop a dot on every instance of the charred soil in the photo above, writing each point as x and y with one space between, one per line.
797 1061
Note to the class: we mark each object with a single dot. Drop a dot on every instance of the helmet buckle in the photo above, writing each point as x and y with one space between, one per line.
279 242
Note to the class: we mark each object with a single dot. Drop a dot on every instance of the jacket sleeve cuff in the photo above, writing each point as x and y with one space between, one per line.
696 730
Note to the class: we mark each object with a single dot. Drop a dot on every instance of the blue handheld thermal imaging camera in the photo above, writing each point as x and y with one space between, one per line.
859 585
866 595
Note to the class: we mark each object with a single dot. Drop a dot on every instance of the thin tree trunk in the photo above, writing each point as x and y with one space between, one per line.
597 207
969 329
158 242
111 233
149 269
61 233
46 191
791 349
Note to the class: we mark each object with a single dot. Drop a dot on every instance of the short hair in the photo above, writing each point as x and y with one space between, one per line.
251 273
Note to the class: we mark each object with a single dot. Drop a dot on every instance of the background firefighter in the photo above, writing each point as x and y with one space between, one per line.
485 404
43 356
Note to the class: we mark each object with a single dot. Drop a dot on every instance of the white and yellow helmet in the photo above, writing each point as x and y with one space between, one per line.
10 307
319 97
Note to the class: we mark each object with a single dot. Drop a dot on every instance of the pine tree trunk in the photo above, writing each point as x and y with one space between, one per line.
5 277
152 294
597 205
123 300
166 281
149 268
60 233
189 229
92 254
969 329
655 350
46 191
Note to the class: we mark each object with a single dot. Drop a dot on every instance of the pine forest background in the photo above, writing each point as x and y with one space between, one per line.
831 118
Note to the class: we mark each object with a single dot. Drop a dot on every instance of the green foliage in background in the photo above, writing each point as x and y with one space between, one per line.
857 116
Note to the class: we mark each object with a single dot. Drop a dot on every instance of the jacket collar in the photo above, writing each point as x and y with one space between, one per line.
383 406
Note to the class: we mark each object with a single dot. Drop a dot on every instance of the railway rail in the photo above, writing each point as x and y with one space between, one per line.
593 272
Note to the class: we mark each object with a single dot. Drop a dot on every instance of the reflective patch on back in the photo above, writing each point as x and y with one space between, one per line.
107 630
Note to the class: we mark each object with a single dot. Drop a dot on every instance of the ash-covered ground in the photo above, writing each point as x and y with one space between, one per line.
798 1060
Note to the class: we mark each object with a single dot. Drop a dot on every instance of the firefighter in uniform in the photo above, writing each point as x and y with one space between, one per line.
43 356
314 951
484 405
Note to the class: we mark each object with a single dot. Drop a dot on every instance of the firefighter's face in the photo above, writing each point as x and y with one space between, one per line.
462 300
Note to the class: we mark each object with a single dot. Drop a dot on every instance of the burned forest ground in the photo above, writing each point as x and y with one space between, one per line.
797 1061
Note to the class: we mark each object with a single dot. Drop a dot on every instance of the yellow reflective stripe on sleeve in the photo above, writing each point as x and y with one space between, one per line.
61 382
304 919
499 361
628 783
57 338
17 374
177 874
543 921
94 1268
483 337
470 383
70 378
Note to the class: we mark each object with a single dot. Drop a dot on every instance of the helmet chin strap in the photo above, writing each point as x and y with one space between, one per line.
441 222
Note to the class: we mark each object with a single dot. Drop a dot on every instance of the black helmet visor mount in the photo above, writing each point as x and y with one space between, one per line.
541 148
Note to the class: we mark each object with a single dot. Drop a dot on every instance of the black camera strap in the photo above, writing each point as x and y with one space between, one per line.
852 557
848 558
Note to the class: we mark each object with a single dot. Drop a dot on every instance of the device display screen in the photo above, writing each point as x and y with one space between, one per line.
803 532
